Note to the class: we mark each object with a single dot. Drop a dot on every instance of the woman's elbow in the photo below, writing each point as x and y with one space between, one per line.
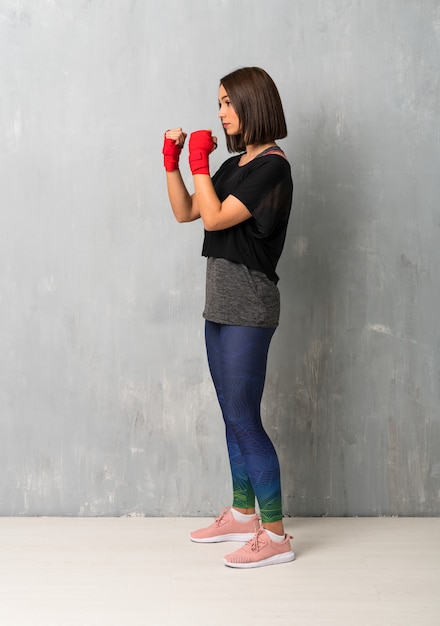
209 227
184 217
211 223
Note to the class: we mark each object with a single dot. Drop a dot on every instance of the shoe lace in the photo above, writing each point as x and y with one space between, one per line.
222 515
254 542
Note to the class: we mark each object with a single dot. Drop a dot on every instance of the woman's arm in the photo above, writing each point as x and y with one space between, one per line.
215 215
184 206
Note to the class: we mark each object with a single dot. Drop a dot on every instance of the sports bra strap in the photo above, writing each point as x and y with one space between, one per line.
274 150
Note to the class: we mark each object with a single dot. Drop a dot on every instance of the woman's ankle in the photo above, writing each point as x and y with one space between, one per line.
274 527
242 514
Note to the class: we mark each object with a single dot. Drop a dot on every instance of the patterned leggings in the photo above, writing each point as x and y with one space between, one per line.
237 357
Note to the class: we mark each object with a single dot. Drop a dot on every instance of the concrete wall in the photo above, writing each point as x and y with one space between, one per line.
106 405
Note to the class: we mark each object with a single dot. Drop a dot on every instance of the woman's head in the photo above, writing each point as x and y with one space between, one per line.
257 103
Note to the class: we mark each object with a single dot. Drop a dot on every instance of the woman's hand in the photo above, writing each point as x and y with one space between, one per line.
174 140
201 144
177 135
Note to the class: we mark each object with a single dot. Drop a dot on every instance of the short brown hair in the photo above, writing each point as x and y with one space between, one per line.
256 101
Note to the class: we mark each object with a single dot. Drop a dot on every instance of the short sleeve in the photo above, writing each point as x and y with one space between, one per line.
266 192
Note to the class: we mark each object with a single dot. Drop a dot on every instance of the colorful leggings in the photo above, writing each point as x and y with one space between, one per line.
237 357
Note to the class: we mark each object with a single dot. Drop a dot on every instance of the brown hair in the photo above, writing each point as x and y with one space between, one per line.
256 101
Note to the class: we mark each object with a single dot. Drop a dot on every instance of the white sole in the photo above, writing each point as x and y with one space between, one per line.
285 557
231 537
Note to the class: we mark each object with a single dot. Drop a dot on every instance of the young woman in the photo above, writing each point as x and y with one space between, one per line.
245 209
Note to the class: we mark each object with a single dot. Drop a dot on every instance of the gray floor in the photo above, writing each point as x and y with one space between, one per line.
145 571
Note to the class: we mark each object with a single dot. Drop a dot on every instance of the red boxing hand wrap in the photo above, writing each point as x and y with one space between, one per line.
171 152
200 146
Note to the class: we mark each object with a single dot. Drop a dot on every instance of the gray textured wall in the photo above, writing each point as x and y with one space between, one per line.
106 405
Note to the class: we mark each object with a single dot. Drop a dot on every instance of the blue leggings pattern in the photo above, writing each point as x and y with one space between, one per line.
237 357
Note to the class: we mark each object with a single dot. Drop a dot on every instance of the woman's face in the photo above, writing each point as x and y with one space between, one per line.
227 114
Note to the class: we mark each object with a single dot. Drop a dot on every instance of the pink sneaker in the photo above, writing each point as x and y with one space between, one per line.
226 528
261 550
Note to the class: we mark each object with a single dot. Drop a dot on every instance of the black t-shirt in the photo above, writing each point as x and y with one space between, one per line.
265 187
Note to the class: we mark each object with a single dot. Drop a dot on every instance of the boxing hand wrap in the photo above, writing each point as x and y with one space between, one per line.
200 146
171 152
